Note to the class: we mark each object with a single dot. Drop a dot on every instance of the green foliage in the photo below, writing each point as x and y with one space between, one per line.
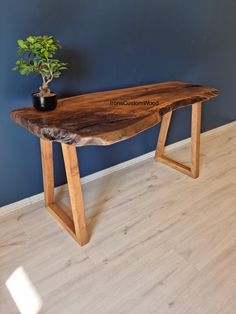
37 56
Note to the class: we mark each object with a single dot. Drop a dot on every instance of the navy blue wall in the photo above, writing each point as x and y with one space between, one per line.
112 44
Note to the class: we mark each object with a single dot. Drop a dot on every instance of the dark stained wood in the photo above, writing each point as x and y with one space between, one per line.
93 119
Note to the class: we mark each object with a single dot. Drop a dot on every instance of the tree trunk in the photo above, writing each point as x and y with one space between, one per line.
44 90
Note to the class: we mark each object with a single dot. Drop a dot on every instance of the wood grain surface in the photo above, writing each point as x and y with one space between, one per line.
104 118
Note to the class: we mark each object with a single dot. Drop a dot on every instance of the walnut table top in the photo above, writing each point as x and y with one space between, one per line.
104 118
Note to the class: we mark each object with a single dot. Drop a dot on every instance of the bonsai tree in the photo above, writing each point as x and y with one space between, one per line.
37 56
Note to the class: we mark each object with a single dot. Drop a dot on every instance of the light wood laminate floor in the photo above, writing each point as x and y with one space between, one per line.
160 242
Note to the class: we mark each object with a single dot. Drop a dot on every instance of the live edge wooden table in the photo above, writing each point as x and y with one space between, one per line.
104 118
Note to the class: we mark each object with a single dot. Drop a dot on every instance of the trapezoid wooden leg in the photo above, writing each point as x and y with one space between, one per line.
76 227
193 170
75 192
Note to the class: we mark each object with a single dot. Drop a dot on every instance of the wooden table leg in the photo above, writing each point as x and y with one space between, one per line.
75 191
76 227
193 170
48 171
165 123
195 143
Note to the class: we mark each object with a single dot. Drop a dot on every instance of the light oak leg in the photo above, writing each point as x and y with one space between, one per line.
163 134
48 172
196 131
77 226
75 191
193 170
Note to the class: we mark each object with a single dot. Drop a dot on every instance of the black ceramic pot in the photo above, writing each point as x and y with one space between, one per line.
44 103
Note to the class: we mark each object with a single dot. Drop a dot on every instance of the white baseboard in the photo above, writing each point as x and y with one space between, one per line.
39 197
